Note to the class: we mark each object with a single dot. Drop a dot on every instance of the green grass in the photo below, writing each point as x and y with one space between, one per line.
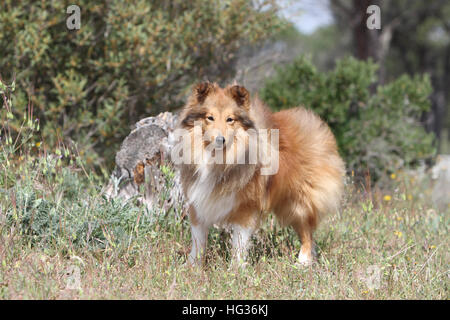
56 225
61 238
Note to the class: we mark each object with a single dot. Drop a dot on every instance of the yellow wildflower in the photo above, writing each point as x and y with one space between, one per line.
38 144
393 176
387 198
399 234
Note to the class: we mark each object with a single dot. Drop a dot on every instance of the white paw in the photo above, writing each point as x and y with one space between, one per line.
305 259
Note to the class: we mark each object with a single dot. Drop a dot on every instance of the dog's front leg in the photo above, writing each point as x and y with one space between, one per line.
199 234
240 240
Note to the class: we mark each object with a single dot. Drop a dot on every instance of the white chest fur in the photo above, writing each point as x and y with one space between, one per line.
209 209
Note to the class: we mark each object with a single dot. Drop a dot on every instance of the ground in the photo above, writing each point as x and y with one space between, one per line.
381 245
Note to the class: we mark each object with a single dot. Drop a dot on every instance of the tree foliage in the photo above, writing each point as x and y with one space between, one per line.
414 38
128 60
379 132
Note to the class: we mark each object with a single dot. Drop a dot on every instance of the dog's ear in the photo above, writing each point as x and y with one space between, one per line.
201 91
240 95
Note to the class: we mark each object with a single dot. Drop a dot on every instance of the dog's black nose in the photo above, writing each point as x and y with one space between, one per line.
220 140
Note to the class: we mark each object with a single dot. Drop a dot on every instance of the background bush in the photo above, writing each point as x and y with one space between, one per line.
49 198
136 59
129 60
377 127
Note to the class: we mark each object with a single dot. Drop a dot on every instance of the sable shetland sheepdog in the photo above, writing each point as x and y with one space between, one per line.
307 184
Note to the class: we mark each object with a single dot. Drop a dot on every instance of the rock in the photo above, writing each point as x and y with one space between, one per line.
143 167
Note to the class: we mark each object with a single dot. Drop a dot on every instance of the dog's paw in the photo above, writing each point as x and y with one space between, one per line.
304 259
307 258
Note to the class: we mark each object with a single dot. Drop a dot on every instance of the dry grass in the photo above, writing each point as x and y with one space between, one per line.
61 239
383 248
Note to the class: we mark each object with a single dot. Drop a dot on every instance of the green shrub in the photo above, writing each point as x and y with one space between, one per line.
49 198
128 60
379 131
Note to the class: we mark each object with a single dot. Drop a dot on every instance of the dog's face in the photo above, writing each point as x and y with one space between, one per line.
222 113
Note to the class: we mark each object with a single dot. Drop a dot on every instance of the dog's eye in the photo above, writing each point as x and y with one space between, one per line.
210 118
230 120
